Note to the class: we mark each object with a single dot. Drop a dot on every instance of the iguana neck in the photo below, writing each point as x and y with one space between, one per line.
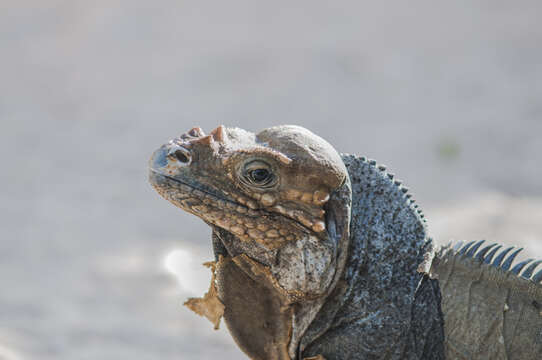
370 311
296 317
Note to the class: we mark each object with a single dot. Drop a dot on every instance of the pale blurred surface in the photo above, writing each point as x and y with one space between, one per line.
448 95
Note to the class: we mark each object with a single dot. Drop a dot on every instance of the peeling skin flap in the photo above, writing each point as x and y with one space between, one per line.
209 306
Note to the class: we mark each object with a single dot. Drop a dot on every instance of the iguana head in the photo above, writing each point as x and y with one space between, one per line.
270 188
279 204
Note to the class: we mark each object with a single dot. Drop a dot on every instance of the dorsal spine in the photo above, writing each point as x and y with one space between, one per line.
398 183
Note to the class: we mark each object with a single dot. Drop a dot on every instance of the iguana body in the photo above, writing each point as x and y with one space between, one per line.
321 255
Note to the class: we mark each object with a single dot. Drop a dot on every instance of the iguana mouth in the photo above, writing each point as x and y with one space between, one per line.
189 188
270 229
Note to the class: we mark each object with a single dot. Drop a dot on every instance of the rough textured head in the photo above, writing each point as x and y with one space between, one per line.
271 187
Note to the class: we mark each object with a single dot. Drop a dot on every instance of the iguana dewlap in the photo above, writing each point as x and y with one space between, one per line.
326 256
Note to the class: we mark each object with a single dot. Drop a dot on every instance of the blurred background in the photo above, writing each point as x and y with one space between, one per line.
448 95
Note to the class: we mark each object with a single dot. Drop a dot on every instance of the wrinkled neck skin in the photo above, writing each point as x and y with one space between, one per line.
302 259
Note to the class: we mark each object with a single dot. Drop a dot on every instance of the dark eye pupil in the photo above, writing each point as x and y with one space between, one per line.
181 156
259 175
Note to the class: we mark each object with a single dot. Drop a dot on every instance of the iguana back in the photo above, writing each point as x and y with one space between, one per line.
492 308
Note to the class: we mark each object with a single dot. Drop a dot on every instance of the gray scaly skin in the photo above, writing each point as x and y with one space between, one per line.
492 308
326 256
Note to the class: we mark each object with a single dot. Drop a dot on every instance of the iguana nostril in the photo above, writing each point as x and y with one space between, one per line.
182 156
179 153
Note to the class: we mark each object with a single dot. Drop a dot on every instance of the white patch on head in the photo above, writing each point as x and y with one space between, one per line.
240 138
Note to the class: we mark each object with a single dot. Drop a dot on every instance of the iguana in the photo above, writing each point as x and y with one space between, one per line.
321 255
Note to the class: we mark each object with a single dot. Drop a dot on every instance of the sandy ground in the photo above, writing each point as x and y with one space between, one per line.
448 95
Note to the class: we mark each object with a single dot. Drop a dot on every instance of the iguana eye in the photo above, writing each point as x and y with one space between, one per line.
259 173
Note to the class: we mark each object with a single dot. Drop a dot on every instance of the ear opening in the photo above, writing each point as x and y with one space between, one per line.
337 219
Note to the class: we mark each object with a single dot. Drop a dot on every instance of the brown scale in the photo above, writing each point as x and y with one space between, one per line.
247 224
